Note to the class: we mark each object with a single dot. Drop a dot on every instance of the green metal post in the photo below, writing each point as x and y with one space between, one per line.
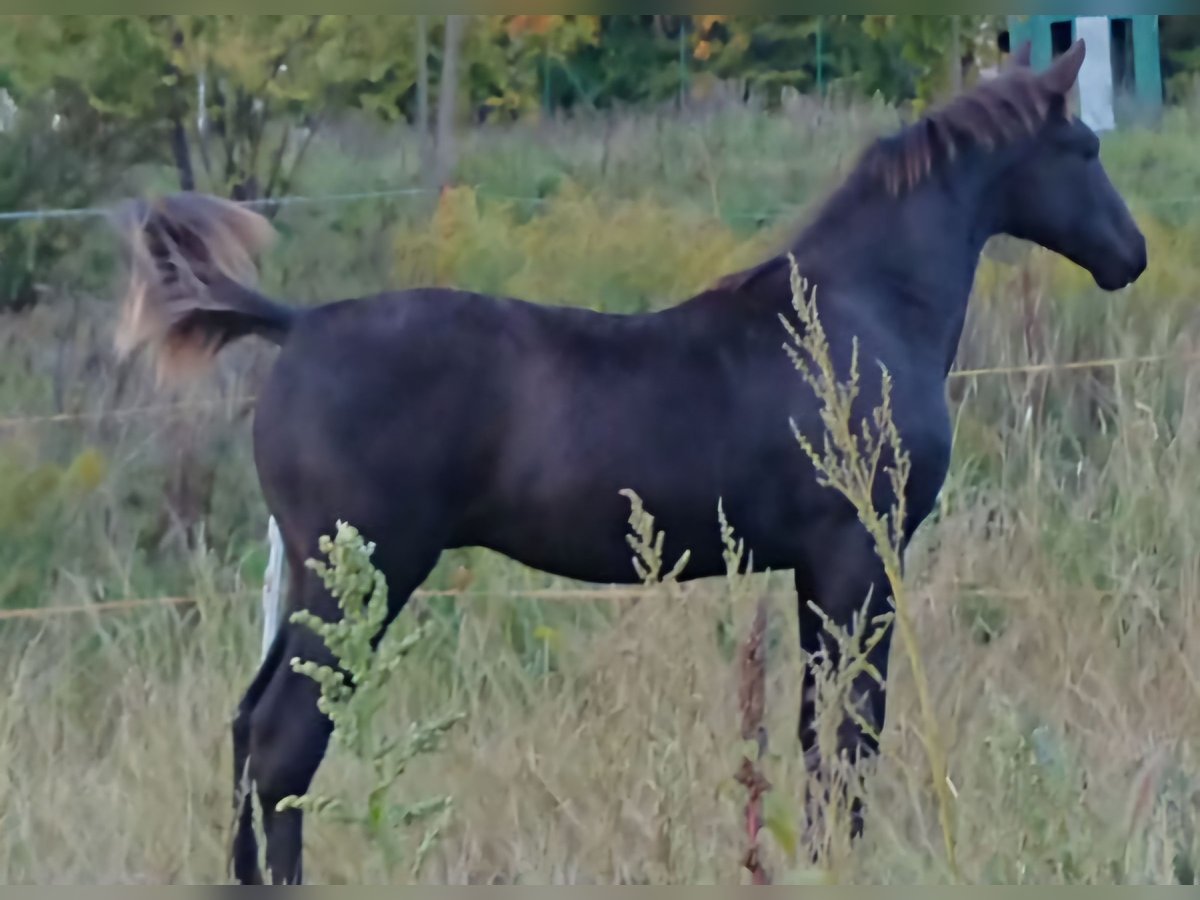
1147 64
1036 30
1020 30
820 56
683 73
1043 43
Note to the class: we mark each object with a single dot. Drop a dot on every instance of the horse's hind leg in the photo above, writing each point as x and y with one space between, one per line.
288 739
244 846
838 579
288 733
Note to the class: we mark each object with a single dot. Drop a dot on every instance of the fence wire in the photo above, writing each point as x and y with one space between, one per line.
248 399
568 595
96 212
565 595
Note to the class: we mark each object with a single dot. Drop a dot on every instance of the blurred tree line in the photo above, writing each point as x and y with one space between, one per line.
232 103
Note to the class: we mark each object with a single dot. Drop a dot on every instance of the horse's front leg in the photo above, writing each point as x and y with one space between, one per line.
838 580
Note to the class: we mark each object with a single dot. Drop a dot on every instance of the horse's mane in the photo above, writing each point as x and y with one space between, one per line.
993 113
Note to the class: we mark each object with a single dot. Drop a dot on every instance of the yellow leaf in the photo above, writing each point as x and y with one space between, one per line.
519 25
748 749
779 821
88 470
547 635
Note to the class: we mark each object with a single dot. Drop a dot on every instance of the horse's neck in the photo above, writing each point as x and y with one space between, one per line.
911 260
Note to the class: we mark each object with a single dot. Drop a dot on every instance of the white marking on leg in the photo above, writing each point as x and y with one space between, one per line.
272 586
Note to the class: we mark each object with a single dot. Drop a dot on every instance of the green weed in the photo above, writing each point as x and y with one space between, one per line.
358 726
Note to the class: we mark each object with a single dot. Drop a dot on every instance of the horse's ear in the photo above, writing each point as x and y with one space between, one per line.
1060 77
1023 56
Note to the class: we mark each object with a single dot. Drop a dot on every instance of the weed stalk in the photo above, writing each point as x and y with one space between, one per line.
849 462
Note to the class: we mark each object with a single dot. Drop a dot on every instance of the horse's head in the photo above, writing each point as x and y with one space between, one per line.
1057 194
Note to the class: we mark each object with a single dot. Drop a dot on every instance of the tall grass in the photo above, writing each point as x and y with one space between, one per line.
852 460
1053 595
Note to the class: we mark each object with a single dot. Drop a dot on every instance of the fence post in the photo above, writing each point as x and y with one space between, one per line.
821 56
683 69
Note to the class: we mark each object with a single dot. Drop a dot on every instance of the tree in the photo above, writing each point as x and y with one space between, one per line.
518 64
934 52
51 159
423 90
236 98
1180 38
773 52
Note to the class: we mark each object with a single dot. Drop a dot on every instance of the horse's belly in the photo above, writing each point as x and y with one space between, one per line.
585 535
578 553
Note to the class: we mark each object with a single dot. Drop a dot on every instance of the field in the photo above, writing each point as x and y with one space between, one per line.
1056 589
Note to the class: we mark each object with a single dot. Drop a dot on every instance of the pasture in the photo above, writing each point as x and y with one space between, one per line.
1056 588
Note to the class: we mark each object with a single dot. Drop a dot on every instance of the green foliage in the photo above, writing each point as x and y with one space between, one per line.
361 592
1031 762
269 83
116 65
98 96
38 502
1179 38
59 154
920 49
564 252
774 52
518 64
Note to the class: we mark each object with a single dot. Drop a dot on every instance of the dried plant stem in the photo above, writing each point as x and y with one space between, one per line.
752 689
849 462
931 733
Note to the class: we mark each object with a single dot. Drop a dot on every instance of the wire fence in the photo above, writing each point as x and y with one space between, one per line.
245 400
567 595
97 212
133 605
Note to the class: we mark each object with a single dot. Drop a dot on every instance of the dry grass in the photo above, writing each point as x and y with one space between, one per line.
613 761
608 754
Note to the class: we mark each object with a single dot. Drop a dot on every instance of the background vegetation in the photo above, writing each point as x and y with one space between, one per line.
1056 590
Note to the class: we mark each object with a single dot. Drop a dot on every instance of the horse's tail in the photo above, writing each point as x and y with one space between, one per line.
191 275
